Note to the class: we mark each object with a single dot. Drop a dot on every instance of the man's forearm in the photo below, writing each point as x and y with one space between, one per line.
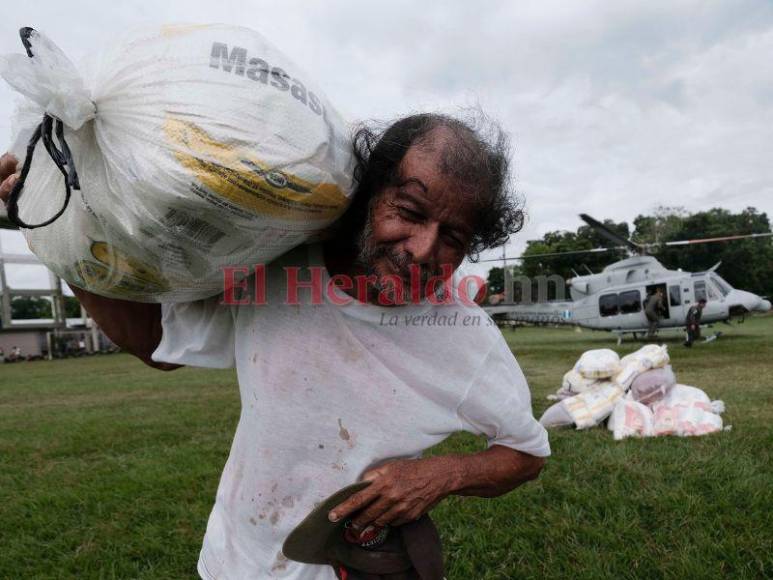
492 472
404 489
133 326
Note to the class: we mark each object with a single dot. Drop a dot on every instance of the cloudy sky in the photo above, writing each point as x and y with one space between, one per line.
614 108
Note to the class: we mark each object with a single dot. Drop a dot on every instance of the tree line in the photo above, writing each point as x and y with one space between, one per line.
35 307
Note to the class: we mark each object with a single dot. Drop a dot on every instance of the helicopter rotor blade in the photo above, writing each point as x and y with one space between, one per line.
639 247
610 235
711 240
553 254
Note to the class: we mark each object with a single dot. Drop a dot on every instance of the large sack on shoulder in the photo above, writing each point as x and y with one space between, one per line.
600 363
192 149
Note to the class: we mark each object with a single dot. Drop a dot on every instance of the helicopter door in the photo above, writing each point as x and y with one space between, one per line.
715 300
675 303
651 289
700 290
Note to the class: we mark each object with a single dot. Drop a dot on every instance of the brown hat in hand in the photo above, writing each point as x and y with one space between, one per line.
408 552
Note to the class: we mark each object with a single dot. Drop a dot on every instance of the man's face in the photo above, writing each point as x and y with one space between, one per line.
425 219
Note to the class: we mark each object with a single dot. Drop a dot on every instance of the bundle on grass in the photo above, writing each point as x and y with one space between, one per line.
638 395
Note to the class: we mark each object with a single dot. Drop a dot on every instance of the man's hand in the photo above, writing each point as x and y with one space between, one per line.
8 175
401 491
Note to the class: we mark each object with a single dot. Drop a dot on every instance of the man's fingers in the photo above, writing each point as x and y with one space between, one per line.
375 473
6 186
351 505
400 517
8 165
373 514
404 512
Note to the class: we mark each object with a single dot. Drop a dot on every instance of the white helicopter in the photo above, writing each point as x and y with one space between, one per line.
613 299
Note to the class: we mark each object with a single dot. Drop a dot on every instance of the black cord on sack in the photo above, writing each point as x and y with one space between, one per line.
61 156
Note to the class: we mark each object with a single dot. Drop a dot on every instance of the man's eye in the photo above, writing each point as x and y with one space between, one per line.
410 214
454 241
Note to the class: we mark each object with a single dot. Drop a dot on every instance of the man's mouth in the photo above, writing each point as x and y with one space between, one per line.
398 269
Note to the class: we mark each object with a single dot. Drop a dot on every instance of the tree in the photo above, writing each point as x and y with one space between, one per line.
30 308
72 308
664 224
585 238
496 278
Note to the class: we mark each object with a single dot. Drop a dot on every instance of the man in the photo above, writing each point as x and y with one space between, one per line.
339 389
693 322
653 310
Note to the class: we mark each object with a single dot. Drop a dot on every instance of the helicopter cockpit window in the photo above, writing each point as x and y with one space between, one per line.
700 290
608 305
713 291
723 286
629 302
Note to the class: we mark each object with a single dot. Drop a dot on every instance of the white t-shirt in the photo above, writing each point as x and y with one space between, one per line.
330 391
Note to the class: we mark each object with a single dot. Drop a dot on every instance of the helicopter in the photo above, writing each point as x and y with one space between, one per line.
613 299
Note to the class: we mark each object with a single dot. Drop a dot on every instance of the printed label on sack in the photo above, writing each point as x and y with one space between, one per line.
235 61
116 272
191 228
238 176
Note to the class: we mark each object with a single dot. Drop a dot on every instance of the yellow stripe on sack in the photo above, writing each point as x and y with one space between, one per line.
119 273
238 176
169 30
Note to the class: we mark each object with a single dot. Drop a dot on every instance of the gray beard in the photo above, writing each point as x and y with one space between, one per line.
367 254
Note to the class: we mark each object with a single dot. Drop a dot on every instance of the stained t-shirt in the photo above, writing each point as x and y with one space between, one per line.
328 392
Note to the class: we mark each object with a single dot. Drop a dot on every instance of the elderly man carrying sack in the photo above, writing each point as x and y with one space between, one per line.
340 380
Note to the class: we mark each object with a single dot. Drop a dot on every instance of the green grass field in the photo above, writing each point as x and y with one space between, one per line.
108 469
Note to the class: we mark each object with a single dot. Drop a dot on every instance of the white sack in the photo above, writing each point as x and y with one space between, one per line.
590 408
630 419
575 383
686 411
650 356
556 416
652 385
598 364
197 147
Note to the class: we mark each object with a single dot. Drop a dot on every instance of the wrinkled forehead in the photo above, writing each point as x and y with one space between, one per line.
440 166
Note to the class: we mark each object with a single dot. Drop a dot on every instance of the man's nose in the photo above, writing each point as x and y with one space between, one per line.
423 243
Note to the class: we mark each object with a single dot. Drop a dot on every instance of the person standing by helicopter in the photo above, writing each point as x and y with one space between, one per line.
693 322
654 309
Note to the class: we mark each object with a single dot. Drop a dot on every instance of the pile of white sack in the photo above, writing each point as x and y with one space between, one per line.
638 394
